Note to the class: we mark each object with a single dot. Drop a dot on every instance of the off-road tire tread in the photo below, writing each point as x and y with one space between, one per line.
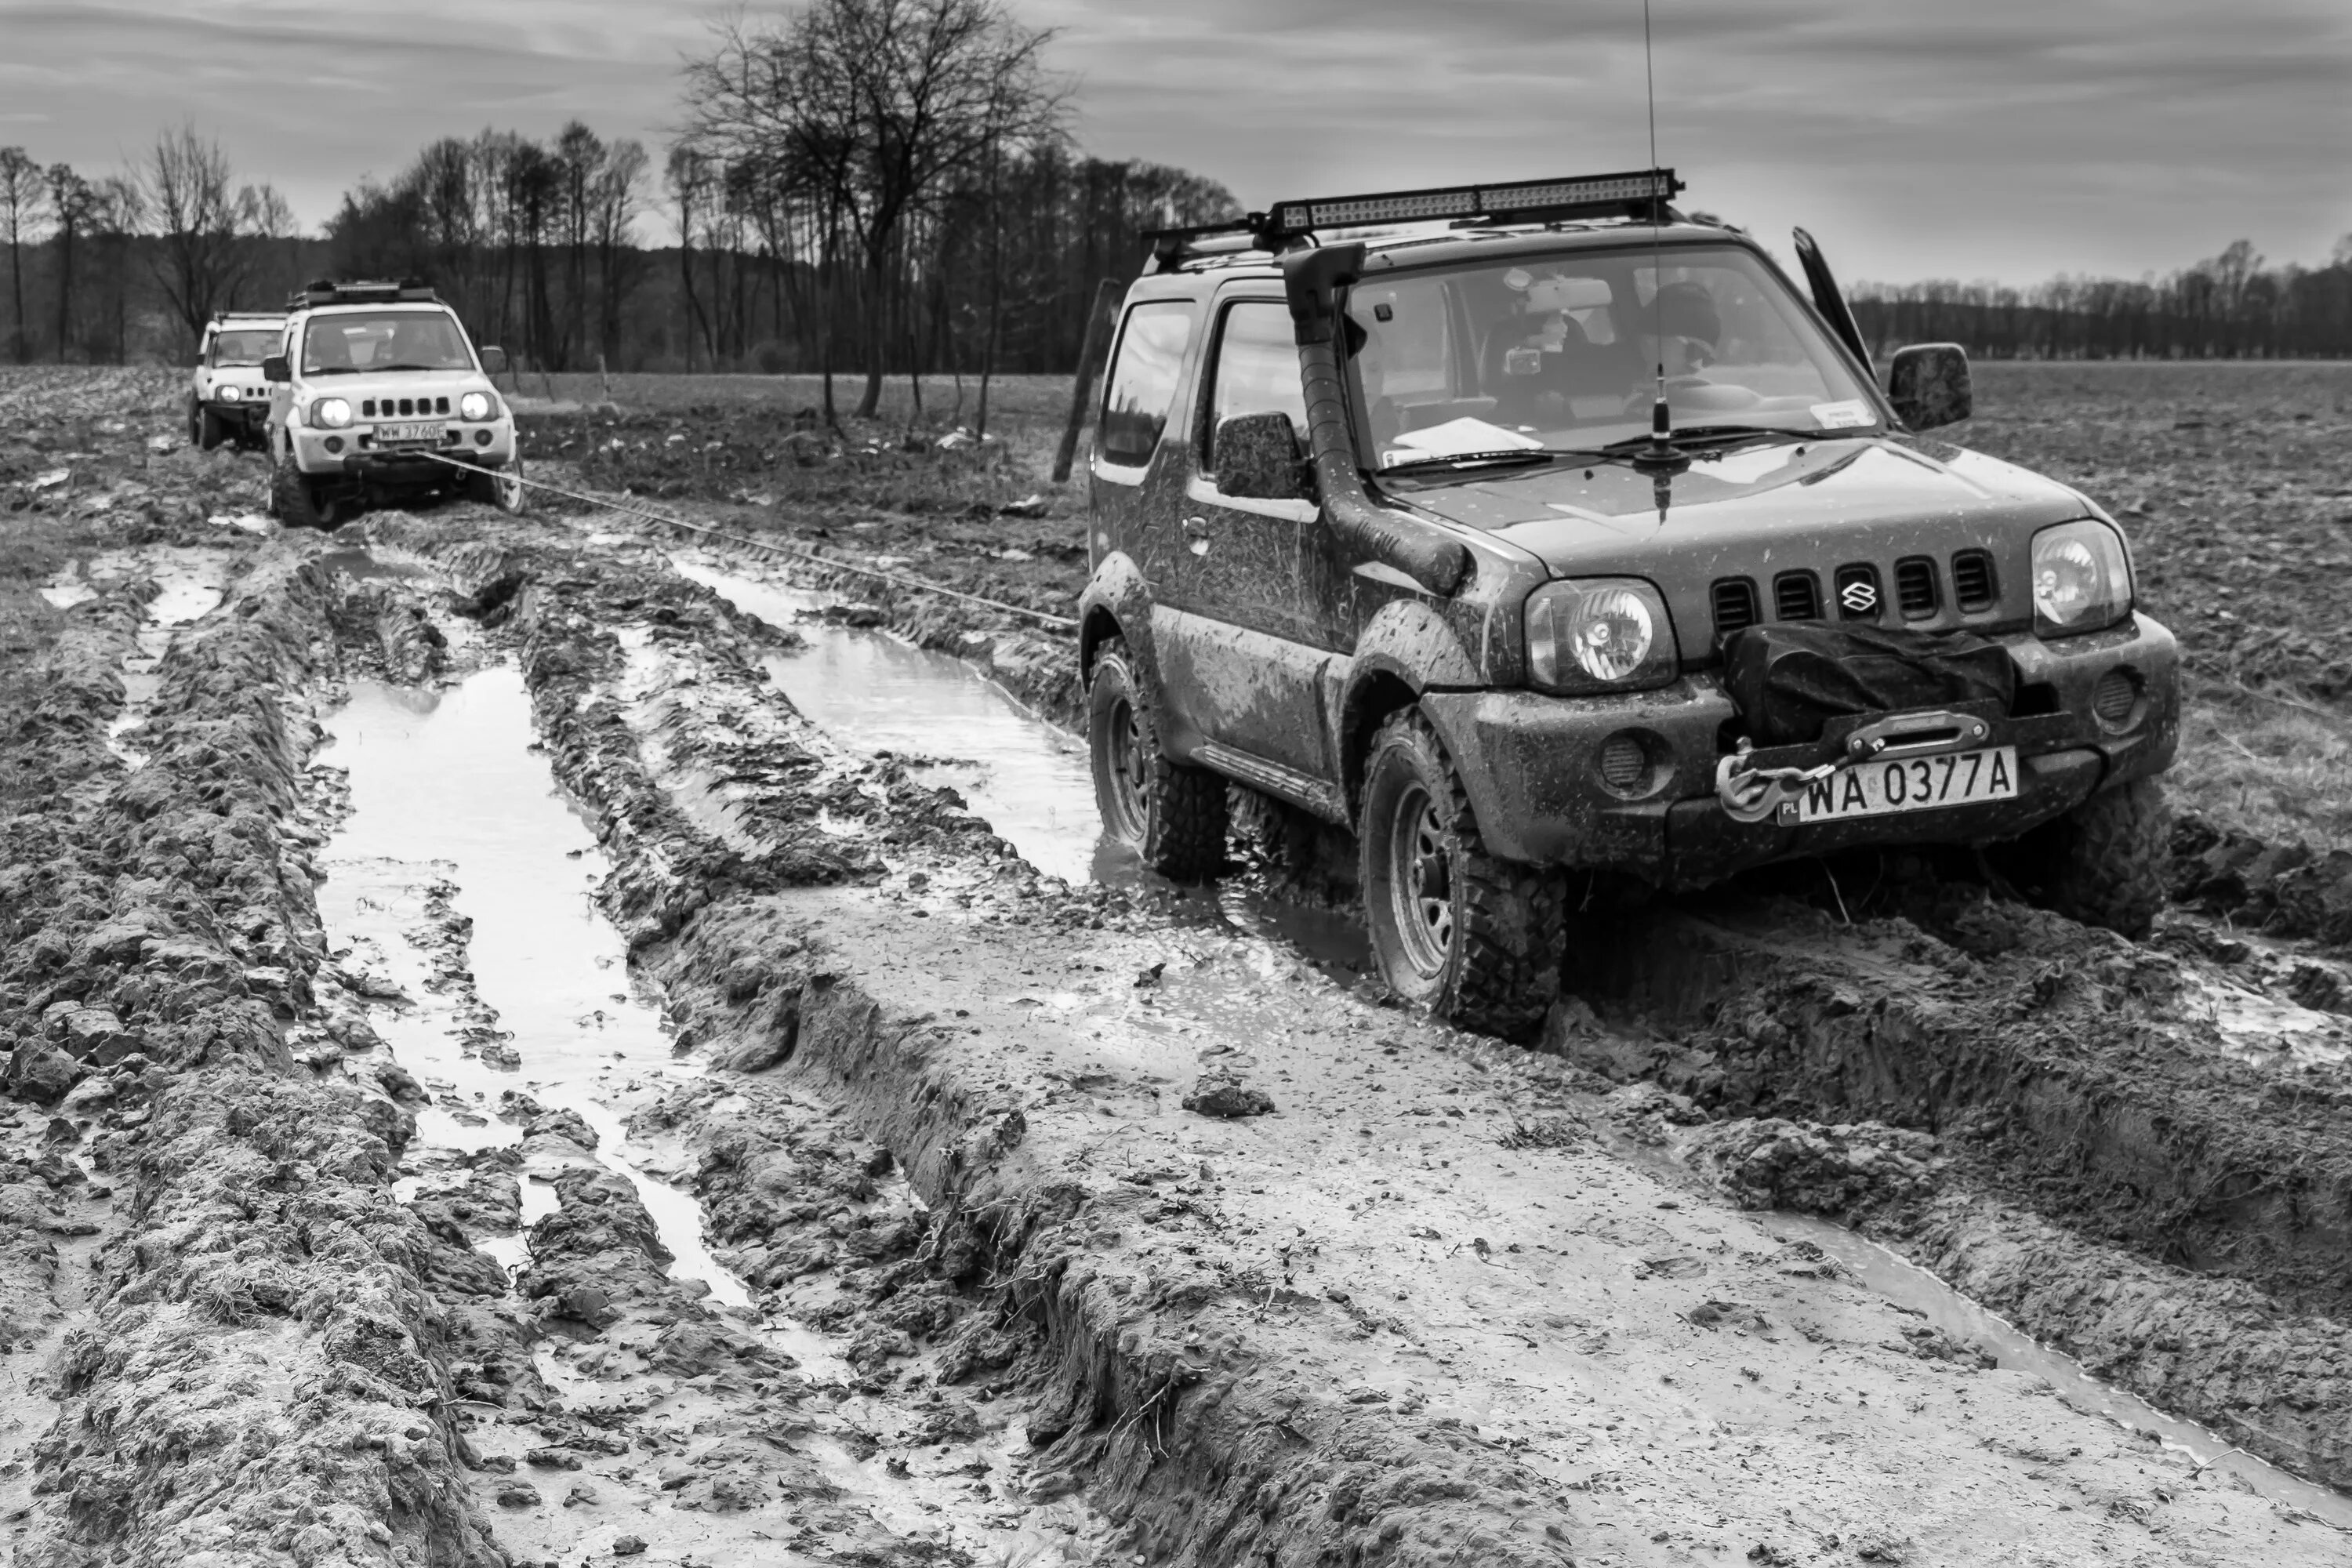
2108 857
211 433
1184 838
1514 916
290 499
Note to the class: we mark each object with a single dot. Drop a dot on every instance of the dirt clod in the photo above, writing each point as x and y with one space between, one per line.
1220 1093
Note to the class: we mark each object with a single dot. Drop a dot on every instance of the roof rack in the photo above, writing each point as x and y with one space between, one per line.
1639 193
362 291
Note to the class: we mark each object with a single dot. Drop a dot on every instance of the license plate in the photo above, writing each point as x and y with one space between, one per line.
408 433
1912 783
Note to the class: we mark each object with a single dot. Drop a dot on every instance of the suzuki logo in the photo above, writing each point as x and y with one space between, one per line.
1858 597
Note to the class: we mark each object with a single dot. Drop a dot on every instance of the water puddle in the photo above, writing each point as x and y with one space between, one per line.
447 800
875 693
1907 1285
879 694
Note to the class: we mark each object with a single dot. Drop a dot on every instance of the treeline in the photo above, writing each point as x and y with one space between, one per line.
2233 306
113 267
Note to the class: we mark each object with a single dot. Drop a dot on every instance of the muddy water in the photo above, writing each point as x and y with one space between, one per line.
449 799
875 693
444 789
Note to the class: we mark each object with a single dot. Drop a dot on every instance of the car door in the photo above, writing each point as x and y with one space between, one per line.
1252 616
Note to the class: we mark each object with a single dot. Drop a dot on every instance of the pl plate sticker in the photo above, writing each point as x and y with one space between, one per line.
1847 416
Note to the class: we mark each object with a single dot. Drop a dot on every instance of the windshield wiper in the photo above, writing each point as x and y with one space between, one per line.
1510 456
377 367
334 370
1714 434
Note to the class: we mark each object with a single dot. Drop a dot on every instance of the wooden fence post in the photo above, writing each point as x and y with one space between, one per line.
1106 293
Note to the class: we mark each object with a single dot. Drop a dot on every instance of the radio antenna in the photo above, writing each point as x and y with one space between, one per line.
1662 419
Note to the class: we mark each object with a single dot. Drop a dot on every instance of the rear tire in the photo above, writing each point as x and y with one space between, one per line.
501 487
1171 815
1473 938
2103 863
296 501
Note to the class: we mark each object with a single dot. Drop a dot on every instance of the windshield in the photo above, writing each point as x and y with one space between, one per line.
246 346
384 340
1561 352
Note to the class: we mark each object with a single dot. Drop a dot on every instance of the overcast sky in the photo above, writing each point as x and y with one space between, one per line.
2007 139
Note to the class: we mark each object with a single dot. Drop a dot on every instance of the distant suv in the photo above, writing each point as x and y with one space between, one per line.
1561 536
228 399
378 394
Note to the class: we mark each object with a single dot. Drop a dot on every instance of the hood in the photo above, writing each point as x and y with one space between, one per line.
1832 509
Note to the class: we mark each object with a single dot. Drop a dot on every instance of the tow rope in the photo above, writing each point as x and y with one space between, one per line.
797 553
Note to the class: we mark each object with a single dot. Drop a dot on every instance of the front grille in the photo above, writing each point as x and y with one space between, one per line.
1858 597
1796 597
394 408
1735 606
1972 581
1915 588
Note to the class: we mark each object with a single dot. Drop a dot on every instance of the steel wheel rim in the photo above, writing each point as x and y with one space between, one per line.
509 492
1127 764
1421 881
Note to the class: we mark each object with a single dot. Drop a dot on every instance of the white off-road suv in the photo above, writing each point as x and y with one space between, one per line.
378 394
227 400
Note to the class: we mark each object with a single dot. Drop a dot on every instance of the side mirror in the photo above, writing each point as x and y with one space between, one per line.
1928 384
1256 457
494 361
276 368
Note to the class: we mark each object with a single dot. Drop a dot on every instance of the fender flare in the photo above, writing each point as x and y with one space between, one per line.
1407 648
1117 600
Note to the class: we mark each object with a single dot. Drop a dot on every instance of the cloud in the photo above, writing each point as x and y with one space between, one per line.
2010 138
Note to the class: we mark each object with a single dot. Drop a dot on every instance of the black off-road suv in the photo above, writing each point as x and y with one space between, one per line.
1544 530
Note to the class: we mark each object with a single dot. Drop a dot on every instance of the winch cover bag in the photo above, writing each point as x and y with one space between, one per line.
1789 681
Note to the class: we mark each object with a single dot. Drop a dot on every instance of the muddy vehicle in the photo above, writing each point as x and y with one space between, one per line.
378 394
1552 544
228 399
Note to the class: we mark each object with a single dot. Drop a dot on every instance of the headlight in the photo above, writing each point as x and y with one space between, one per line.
329 413
1603 635
475 405
2081 583
228 394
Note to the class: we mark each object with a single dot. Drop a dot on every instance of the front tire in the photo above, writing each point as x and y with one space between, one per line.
210 431
1171 815
296 500
1473 938
501 487
2103 863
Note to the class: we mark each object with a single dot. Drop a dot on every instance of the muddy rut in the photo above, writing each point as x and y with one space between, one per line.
496 1079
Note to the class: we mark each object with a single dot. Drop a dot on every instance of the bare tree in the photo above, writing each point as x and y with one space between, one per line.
70 200
22 191
199 222
882 104
115 215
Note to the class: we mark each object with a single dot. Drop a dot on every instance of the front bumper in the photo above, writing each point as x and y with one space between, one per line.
1530 764
252 413
353 453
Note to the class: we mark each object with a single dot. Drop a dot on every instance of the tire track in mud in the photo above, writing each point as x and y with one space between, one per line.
2178 1114
1184 1462
255 1366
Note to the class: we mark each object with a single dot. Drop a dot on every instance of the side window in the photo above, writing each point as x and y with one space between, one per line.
1256 371
1143 380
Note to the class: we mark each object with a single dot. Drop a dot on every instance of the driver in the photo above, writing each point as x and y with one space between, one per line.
1688 327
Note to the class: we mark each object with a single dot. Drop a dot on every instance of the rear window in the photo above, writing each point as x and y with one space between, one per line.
1143 382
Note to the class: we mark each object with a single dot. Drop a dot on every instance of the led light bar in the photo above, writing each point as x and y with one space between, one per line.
1591 196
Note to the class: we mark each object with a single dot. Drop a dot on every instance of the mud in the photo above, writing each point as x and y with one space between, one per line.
939 1207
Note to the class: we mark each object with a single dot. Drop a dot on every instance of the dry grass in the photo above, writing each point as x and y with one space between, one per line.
1013 401
2276 771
